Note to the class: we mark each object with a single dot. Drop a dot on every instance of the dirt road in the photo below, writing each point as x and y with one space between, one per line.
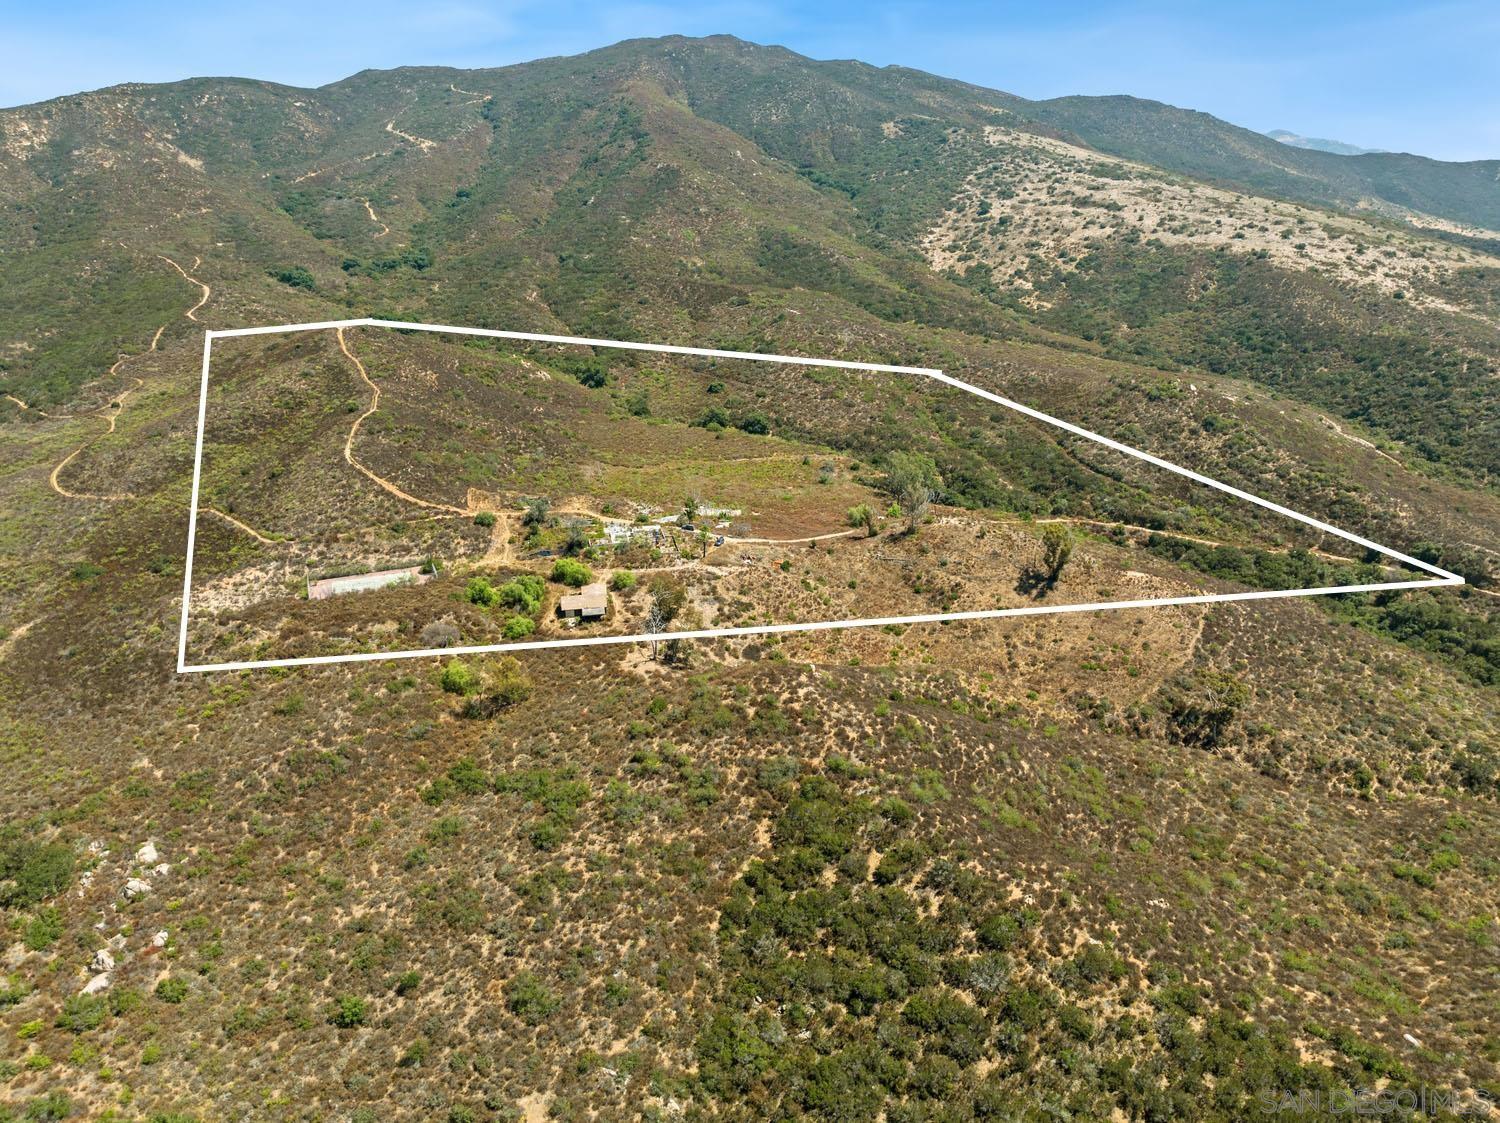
250 530
421 142
115 407
375 218
191 313
354 432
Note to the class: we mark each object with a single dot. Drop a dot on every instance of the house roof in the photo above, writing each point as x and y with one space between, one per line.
589 597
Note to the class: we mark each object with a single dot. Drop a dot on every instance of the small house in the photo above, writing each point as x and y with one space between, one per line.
588 603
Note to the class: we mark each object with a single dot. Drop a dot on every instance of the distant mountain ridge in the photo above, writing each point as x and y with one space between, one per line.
738 83
1322 144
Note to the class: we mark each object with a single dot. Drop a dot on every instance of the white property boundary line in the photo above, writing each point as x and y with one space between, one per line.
1440 576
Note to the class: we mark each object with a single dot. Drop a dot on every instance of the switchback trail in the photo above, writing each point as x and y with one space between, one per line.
191 313
354 431
421 142
118 404
375 218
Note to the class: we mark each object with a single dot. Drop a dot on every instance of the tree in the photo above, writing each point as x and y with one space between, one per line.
509 684
690 509
654 625
480 592
459 678
912 478
704 539
1202 708
536 514
577 541
348 1012
668 597
863 515
1057 548
569 571
523 593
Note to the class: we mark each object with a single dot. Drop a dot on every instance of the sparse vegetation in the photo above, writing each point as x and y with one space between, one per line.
1168 863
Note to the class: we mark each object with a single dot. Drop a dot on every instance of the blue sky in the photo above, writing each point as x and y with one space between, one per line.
1414 77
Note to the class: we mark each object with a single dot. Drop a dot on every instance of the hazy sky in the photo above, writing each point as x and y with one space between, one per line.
1416 77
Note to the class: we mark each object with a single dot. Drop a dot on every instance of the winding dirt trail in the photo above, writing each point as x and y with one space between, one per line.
115 407
375 218
250 530
191 313
22 405
1334 425
421 142
354 431
68 494
1104 523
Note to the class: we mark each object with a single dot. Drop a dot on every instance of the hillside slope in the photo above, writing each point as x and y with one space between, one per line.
1185 862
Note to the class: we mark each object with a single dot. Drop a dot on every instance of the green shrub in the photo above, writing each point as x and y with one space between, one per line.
50 1108
408 982
348 1012
519 627
485 519
622 581
83 1012
296 276
468 777
172 990
569 571
460 678
44 930
32 871
481 592
530 1000
999 932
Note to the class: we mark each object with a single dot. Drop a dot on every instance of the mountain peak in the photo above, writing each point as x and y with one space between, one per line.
1322 144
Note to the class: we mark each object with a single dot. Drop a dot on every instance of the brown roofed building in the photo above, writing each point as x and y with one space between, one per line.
588 603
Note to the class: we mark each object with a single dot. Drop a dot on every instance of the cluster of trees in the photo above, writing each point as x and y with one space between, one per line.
487 689
31 871
716 418
524 595
296 276
410 258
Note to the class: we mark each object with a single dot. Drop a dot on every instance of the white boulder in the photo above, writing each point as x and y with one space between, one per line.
147 855
96 984
103 960
136 887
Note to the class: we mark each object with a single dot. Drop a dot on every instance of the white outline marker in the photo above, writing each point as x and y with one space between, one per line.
1440 577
